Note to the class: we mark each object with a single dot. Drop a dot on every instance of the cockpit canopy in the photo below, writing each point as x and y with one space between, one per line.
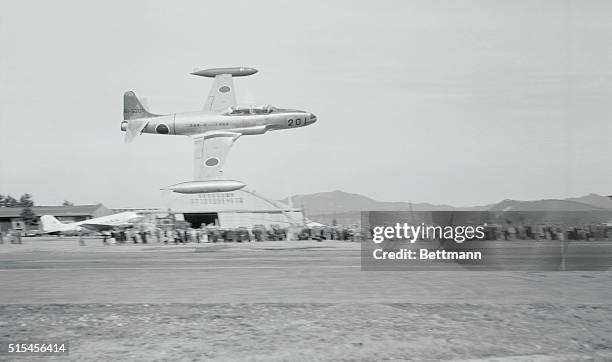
250 111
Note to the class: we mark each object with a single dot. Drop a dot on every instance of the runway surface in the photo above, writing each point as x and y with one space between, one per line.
61 271
291 301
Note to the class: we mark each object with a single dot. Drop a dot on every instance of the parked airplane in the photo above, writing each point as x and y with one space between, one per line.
51 225
214 129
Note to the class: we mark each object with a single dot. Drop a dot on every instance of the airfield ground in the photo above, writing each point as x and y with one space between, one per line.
290 301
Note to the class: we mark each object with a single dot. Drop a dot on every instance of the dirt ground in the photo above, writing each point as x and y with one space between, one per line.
289 332
290 302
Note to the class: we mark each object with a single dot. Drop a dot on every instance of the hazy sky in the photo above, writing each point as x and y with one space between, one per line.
460 102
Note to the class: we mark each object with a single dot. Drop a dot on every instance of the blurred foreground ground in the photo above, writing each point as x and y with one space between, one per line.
291 301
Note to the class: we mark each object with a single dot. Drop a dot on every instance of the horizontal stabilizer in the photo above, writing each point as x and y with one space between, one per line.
134 128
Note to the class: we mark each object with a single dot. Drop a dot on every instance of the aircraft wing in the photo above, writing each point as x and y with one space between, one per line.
221 95
210 151
97 227
104 227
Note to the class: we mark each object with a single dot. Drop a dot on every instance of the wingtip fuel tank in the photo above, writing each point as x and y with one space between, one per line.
201 187
233 71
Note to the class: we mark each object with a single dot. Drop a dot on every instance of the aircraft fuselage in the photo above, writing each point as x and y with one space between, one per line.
243 122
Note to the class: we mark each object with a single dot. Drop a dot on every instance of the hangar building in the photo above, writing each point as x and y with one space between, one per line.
241 208
10 216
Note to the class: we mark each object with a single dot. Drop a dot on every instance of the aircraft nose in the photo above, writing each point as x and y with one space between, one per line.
313 118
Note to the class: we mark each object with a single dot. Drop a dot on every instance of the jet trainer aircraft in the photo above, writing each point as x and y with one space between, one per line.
214 129
51 225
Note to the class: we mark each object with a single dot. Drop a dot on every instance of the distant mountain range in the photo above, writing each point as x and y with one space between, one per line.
339 204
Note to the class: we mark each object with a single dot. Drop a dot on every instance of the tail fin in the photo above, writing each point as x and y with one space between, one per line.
50 223
132 108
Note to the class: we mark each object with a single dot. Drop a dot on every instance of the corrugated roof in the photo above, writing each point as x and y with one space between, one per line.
76 210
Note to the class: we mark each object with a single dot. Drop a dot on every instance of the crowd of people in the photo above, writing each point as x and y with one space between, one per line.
10 236
548 232
510 232
213 234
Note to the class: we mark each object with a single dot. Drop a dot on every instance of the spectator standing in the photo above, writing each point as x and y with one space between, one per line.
143 236
105 236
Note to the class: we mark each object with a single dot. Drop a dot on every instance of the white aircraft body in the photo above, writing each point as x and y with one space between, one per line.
51 225
214 129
